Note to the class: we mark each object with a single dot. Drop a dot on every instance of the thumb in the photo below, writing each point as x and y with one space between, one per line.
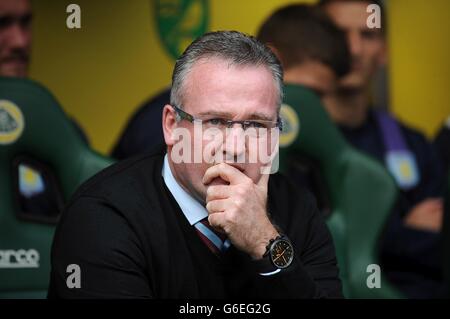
263 182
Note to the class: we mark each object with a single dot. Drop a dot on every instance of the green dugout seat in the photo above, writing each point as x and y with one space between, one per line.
362 194
32 124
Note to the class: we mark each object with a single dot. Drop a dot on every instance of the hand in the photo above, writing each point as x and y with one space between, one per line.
239 209
427 215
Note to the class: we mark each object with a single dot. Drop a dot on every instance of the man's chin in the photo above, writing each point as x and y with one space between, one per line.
14 70
352 83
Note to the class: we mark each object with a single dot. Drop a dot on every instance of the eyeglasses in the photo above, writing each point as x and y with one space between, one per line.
253 127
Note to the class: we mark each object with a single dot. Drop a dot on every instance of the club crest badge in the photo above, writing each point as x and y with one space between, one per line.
291 125
11 122
179 22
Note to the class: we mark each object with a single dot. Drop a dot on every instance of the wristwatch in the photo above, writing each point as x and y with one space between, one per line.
279 255
280 252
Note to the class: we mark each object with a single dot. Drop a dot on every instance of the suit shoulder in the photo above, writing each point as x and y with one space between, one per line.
412 134
285 193
280 182
122 178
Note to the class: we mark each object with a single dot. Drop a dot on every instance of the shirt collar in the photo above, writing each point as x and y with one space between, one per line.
191 208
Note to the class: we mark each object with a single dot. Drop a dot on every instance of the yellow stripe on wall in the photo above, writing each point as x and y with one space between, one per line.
104 71
420 62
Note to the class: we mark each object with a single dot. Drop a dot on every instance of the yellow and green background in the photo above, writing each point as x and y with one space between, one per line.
102 72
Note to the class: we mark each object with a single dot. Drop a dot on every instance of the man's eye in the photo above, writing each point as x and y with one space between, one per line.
5 22
215 122
25 21
254 124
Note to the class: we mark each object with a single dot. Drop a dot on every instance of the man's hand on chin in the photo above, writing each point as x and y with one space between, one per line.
239 208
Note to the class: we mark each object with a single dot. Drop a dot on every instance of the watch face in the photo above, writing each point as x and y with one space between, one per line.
282 253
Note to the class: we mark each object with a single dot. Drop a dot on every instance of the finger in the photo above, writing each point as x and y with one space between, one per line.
218 205
434 204
434 201
226 172
217 220
217 192
439 209
440 202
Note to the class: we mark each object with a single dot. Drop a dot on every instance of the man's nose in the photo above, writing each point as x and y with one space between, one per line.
234 147
355 43
18 36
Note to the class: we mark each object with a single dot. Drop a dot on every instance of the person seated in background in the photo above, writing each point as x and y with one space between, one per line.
314 54
442 144
312 50
198 226
15 37
143 132
412 251
38 192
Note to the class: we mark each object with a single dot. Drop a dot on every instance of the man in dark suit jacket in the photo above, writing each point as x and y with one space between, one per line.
411 249
442 144
143 132
38 194
201 218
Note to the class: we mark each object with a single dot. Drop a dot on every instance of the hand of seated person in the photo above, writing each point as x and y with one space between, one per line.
426 216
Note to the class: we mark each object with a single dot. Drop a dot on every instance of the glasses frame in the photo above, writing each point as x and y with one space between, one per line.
229 123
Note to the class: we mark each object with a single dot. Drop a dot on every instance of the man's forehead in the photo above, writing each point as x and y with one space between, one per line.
15 7
349 14
217 85
213 72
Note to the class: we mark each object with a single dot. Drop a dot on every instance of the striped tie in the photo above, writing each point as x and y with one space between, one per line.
216 242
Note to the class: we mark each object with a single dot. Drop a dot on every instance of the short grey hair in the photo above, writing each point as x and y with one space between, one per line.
233 46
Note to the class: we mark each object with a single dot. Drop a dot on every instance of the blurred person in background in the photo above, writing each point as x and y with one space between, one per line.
412 250
37 192
15 37
143 131
314 55
442 144
312 50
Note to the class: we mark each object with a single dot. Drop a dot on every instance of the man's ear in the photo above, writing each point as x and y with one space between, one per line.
169 123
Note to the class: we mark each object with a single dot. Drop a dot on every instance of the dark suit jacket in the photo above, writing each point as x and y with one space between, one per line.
130 239
143 132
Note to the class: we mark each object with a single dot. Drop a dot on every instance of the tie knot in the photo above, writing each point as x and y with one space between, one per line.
219 234
214 239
